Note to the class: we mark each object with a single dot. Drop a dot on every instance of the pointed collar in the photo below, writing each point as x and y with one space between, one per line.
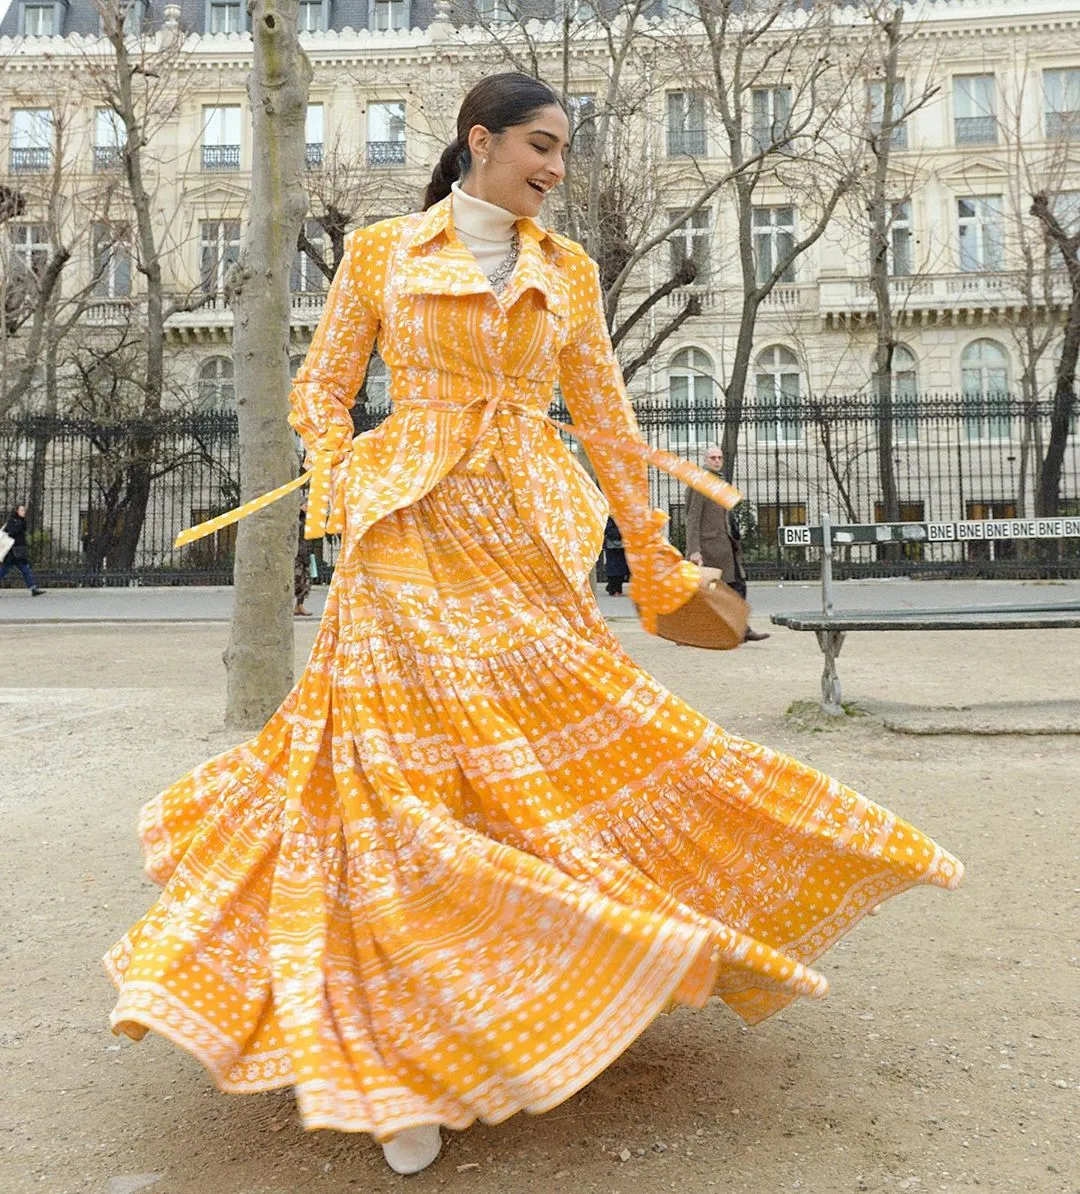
437 261
439 218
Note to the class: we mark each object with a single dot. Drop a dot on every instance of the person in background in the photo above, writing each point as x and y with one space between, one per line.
302 570
616 570
19 554
713 539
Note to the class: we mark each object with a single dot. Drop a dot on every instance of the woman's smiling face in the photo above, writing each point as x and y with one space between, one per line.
516 168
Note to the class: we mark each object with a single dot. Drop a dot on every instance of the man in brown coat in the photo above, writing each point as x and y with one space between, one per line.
713 540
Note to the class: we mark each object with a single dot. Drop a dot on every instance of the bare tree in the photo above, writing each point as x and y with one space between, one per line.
603 62
890 105
781 80
30 286
141 80
1040 253
1064 235
259 655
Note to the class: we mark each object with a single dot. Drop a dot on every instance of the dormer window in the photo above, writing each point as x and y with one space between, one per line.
313 16
225 16
37 19
133 13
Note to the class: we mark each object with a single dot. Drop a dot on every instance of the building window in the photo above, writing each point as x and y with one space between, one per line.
31 140
975 114
583 124
494 12
984 369
771 126
30 247
215 386
686 124
219 248
389 14
691 396
982 245
774 241
905 388
580 10
314 16
386 133
1062 88
226 16
779 391
112 262
314 136
221 138
110 137
771 516
131 13
901 240
39 20
692 242
306 277
875 97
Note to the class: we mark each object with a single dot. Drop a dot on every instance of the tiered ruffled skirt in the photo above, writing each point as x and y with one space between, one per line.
478 849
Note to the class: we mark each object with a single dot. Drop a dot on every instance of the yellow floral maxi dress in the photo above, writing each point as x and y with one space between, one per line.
478 850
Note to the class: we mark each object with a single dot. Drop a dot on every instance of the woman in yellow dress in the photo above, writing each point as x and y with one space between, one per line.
478 849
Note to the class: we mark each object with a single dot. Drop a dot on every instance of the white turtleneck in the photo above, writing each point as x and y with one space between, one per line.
486 230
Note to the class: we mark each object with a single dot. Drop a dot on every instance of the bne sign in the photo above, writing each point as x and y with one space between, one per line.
971 530
1003 528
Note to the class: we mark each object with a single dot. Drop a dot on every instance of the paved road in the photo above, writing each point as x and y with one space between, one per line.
215 604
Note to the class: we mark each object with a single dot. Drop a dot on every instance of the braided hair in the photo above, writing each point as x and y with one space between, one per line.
497 102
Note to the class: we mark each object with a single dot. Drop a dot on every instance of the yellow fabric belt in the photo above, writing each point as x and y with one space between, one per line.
326 510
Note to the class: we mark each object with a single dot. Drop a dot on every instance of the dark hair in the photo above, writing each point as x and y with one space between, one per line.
498 102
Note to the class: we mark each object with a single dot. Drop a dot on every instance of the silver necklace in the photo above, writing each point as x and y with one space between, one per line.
503 271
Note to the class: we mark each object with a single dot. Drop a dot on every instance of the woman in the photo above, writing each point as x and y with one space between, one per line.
478 850
18 555
616 573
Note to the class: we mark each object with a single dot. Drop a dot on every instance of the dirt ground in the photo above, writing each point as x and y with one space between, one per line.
947 1057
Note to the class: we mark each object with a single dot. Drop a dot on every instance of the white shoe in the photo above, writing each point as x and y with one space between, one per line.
414 1149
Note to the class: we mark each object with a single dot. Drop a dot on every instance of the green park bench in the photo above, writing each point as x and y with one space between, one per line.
832 626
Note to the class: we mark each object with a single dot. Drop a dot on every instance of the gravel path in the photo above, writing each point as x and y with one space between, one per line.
947 1057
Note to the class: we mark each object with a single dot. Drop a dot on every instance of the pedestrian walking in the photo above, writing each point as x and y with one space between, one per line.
616 571
478 850
18 554
713 538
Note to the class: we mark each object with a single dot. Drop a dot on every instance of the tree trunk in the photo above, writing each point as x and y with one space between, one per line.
1048 493
259 657
138 480
1048 489
881 147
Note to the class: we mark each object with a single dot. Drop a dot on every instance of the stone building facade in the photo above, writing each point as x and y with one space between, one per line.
1001 84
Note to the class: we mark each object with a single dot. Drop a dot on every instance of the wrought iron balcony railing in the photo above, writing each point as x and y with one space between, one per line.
1063 126
386 153
313 154
221 157
976 130
30 160
686 143
107 157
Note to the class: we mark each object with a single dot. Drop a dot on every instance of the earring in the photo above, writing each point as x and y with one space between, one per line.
483 161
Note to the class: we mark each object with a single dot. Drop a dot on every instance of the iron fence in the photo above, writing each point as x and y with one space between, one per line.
106 500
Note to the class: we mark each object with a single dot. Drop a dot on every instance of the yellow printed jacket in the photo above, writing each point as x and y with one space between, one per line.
472 376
